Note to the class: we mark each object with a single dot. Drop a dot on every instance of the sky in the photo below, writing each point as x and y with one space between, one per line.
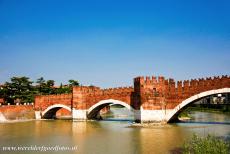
107 43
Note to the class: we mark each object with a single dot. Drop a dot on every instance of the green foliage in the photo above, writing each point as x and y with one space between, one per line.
73 83
45 87
63 90
21 90
184 114
40 81
206 145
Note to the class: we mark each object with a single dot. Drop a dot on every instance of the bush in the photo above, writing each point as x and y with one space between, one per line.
206 145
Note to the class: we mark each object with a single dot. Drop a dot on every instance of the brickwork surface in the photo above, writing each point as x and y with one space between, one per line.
43 102
160 93
13 112
150 93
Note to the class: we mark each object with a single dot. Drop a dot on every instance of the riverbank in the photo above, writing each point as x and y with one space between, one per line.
185 115
203 109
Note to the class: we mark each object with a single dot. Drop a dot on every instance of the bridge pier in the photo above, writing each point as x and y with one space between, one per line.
154 115
79 114
137 115
38 115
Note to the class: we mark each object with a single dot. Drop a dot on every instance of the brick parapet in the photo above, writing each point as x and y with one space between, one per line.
44 101
85 97
13 112
148 92
158 91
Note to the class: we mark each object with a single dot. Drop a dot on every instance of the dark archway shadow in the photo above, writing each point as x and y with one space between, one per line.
52 114
109 116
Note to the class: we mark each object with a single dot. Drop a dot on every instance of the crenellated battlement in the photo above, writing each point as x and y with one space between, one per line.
150 93
117 90
149 80
161 81
158 89
98 91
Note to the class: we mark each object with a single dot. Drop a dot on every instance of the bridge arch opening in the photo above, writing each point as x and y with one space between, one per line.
94 111
173 115
51 111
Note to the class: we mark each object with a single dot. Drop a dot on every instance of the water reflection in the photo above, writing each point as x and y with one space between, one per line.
118 113
110 136
104 137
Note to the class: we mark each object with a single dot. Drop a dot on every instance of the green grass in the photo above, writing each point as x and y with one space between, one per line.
206 145
184 115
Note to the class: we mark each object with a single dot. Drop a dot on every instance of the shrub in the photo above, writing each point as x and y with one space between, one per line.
206 145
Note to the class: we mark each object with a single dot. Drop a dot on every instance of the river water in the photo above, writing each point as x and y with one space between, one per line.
110 136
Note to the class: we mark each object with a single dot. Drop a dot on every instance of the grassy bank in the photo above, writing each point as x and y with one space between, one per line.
206 145
185 114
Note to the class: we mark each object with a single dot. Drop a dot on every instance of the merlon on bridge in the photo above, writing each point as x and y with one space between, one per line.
151 99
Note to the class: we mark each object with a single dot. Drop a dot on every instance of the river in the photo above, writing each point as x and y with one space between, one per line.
110 136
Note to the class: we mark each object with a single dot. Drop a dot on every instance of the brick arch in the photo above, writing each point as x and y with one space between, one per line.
154 99
174 113
94 109
85 97
50 111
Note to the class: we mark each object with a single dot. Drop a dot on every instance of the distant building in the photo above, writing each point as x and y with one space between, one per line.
215 99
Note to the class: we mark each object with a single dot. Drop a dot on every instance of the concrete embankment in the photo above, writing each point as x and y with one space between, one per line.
2 117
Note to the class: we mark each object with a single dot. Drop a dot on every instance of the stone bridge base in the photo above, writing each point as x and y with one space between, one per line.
155 115
79 114
38 115
76 114
139 115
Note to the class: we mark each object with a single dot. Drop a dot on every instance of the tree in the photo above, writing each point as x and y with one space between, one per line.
45 87
50 83
73 83
49 88
63 89
41 83
19 88
3 92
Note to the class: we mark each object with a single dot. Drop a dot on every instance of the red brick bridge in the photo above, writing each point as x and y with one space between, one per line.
151 99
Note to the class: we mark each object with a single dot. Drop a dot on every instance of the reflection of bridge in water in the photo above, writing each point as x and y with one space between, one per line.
150 99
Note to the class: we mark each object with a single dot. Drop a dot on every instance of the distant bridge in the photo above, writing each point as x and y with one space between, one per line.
151 99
